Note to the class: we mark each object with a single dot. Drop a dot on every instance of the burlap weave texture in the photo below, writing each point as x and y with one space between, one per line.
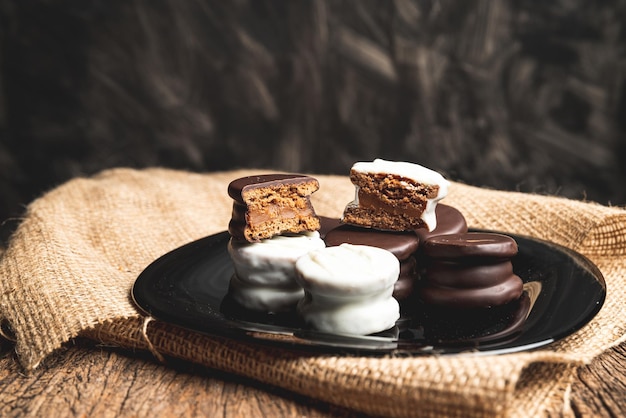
71 264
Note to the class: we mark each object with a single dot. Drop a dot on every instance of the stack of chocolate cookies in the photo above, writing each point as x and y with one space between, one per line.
470 270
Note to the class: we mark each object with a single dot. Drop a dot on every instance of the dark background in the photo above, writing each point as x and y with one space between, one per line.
519 95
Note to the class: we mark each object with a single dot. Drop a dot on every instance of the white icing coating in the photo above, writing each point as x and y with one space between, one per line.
348 270
264 298
415 172
357 318
348 289
271 262
429 215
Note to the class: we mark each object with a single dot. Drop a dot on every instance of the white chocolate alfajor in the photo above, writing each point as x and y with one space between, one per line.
264 298
265 270
348 289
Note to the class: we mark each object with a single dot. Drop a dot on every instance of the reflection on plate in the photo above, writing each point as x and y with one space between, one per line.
563 291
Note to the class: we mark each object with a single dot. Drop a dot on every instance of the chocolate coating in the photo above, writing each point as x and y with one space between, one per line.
403 288
449 221
401 244
467 276
237 223
237 187
484 297
470 244
328 224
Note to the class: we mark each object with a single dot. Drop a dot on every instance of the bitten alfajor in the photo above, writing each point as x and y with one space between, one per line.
272 204
391 195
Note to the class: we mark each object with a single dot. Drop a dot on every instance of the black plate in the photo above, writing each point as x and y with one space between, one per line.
563 291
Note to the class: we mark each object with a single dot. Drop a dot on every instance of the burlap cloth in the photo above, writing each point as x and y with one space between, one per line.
69 268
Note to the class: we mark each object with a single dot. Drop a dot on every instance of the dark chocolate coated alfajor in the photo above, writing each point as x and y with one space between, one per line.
449 221
467 276
400 244
403 287
327 224
470 244
480 297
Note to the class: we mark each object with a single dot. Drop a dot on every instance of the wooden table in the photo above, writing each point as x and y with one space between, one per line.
85 379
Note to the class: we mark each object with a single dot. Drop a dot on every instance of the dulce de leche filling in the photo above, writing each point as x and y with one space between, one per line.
260 216
397 207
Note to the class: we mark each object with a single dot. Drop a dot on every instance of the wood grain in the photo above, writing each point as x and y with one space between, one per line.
88 380
600 389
